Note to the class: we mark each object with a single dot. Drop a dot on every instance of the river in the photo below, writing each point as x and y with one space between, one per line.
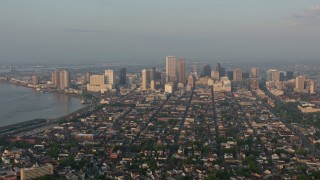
18 104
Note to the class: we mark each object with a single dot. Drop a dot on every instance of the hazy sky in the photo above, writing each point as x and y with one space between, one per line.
148 30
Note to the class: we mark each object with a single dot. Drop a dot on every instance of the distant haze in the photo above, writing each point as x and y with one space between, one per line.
75 31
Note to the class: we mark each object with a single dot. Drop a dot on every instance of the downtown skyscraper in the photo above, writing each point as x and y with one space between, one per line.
206 71
144 76
237 74
254 72
64 79
181 71
171 69
122 76
60 79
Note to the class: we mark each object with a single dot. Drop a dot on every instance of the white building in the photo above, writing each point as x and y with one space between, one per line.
144 84
223 85
110 78
169 88
102 83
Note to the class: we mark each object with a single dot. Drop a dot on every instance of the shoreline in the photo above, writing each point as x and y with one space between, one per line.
30 125
35 89
33 119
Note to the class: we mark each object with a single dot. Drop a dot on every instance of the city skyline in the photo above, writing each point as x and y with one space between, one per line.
184 89
140 126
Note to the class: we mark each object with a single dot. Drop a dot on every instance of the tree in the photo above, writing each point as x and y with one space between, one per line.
186 178
54 151
303 177
69 162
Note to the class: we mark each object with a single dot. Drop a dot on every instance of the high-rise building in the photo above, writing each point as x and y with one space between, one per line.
206 72
191 82
110 78
123 76
195 68
97 80
254 72
35 80
230 75
282 76
215 75
152 84
237 74
224 85
245 75
64 79
311 87
300 83
221 70
273 75
158 76
289 75
55 78
171 69
181 71
152 74
169 88
101 83
144 76
254 83
88 74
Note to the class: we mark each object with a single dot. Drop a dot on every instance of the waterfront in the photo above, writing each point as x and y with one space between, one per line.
18 104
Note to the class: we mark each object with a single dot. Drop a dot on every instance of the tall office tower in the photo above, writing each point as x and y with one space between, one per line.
206 72
237 74
35 80
152 84
268 76
215 75
221 70
123 76
55 78
110 78
151 75
88 74
311 87
144 76
254 84
230 75
281 76
276 75
254 72
191 80
300 83
195 68
273 75
64 79
181 71
171 69
289 75
158 75
245 75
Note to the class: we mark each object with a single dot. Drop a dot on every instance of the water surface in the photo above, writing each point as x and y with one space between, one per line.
18 104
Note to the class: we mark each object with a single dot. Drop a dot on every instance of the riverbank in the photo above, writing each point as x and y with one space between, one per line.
43 88
31 125
20 104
